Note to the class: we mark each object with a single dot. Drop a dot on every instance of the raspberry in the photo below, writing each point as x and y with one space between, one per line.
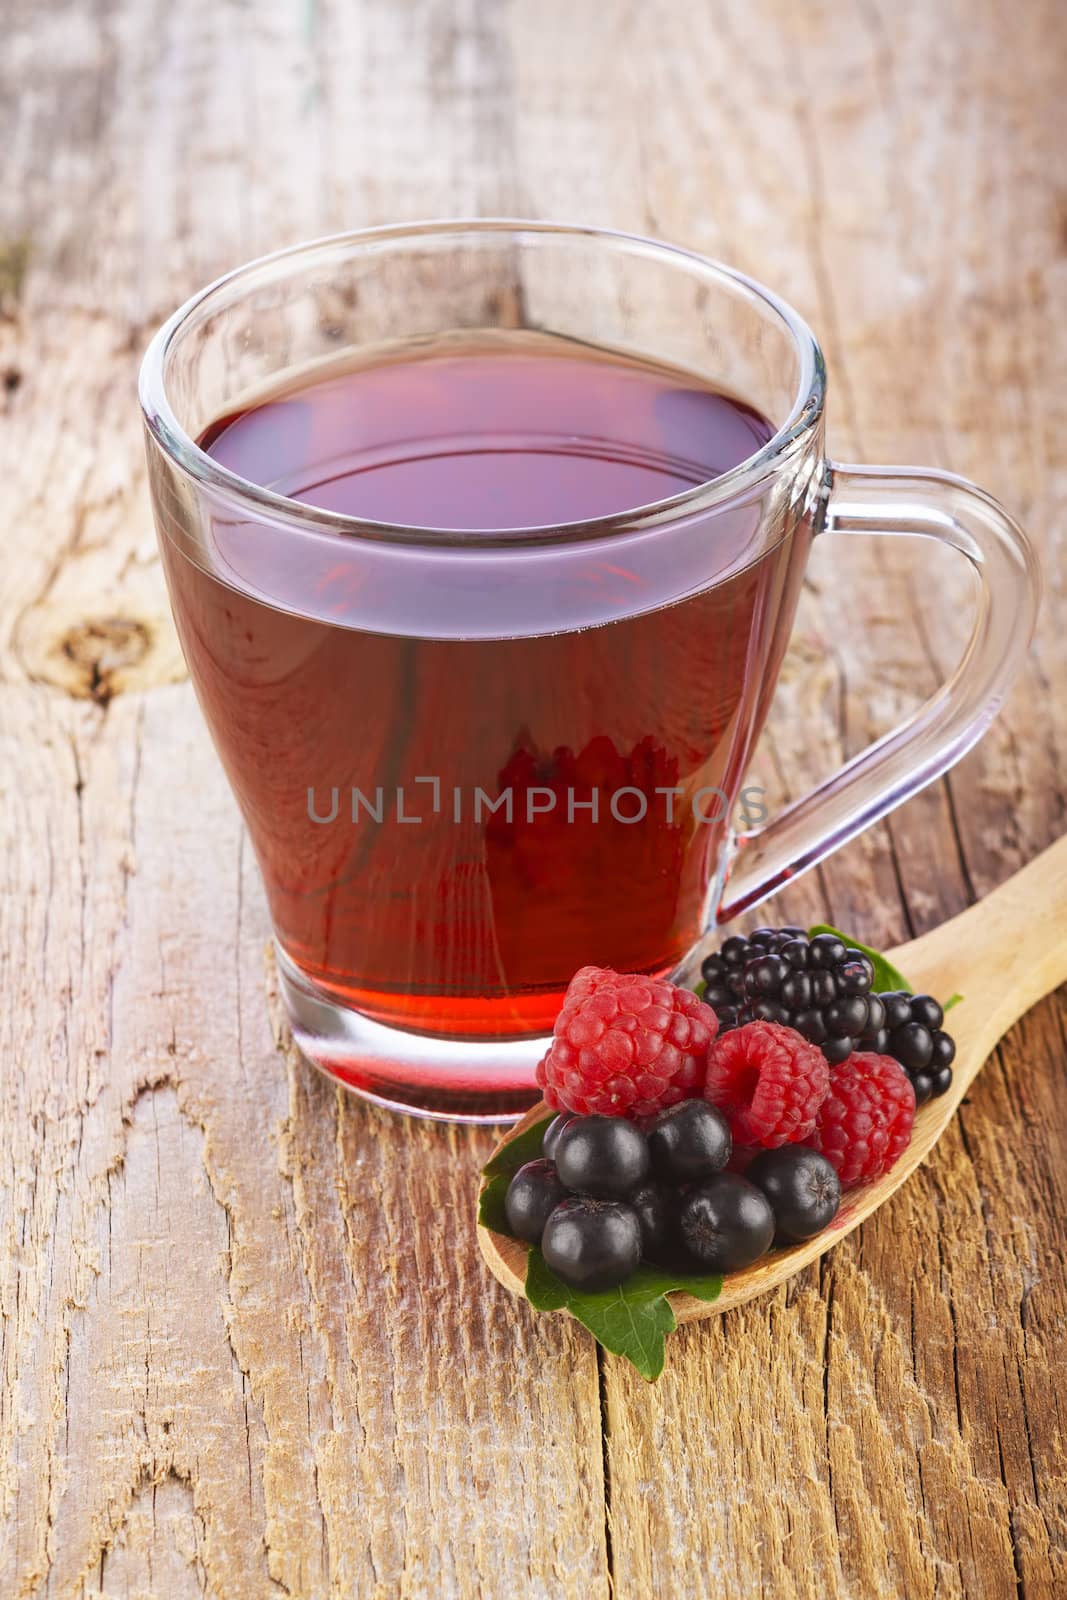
769 1081
865 1121
625 1046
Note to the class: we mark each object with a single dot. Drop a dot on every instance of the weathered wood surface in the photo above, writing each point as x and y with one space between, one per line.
247 1344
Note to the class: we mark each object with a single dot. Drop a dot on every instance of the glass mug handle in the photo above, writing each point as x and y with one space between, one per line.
932 505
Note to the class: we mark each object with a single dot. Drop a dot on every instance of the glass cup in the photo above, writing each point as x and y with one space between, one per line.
470 763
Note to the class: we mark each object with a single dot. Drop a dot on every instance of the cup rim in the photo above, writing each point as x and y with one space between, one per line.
244 495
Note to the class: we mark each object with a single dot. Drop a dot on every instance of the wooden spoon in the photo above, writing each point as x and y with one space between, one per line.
1003 954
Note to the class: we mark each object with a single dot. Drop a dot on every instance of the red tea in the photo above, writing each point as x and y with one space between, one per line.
454 812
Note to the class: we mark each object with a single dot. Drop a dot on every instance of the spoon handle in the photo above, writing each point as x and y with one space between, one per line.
1005 953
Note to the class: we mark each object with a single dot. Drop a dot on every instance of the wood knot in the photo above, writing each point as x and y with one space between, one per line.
102 650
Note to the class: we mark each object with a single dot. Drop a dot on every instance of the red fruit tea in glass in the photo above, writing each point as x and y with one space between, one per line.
573 787
484 542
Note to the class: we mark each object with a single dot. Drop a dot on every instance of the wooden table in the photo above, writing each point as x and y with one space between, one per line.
247 1345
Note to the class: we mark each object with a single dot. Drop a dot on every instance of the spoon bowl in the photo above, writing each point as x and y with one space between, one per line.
1005 954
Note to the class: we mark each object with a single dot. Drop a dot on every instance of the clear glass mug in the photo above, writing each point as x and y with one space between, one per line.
470 763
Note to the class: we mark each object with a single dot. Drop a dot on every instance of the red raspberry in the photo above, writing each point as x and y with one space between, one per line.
864 1123
625 1045
769 1081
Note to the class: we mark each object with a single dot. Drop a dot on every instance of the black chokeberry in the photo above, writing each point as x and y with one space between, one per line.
726 1223
602 1156
592 1244
802 1187
552 1133
688 1142
913 1046
656 1207
925 1009
533 1194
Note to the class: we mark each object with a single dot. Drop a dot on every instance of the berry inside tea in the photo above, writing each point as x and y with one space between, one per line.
460 794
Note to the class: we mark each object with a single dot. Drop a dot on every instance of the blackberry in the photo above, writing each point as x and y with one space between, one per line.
824 988
897 1007
820 986
923 1085
944 1051
796 991
914 1037
765 975
827 950
847 1017
811 1025
875 1017
767 1011
925 1009
854 977
735 951
837 1050
913 1046
940 1081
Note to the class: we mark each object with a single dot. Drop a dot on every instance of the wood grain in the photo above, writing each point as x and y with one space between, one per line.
247 1346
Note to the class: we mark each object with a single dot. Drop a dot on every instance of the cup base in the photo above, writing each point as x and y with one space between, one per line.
446 1080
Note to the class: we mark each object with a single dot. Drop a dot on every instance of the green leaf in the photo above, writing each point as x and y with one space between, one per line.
515 1154
886 976
629 1321
491 1213
953 1000
544 1290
